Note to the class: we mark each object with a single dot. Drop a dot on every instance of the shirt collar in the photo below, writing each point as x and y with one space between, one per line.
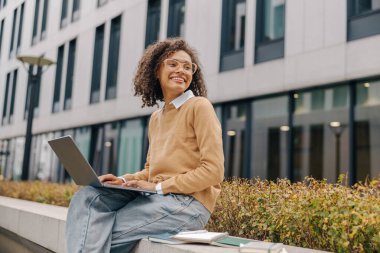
179 101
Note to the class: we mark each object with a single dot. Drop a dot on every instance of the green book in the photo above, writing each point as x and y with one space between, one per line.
232 242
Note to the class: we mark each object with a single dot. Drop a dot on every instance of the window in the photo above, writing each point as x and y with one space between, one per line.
97 64
130 147
270 30
35 22
13 33
153 22
1 34
75 10
5 105
58 79
20 24
113 58
320 138
3 3
235 140
70 75
40 22
9 98
176 19
65 15
44 17
233 35
270 128
367 129
363 18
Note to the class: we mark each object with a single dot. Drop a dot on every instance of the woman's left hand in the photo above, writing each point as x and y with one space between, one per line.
141 184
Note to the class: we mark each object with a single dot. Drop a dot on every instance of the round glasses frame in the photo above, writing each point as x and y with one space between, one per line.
174 65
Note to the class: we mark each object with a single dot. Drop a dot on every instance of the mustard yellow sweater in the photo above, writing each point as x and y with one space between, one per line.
185 151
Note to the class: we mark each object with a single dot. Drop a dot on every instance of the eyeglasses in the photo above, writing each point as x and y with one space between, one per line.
187 67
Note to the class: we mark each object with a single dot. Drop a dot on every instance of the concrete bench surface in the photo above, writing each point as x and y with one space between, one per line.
44 226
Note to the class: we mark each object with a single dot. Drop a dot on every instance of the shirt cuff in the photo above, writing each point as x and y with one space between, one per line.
159 189
122 178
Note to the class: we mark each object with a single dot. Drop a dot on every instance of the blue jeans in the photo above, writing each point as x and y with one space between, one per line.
112 220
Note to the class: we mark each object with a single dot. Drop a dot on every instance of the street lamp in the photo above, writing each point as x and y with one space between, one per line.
337 128
40 62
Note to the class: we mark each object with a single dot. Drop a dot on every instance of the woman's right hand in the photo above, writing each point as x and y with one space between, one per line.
110 179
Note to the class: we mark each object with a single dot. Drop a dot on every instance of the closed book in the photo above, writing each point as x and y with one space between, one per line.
261 247
165 238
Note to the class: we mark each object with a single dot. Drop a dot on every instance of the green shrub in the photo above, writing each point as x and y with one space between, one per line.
42 192
312 214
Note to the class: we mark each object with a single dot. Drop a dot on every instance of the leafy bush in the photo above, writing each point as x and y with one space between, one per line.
312 214
42 192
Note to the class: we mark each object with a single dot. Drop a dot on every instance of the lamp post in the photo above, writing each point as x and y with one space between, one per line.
337 128
40 62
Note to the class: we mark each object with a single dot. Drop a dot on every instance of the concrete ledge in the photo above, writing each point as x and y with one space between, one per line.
40 228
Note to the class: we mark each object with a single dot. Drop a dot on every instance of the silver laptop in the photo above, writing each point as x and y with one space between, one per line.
78 167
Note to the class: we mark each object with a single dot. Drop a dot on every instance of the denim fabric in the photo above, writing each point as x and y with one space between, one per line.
112 220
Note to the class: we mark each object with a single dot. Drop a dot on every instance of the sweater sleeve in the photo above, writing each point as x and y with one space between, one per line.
210 171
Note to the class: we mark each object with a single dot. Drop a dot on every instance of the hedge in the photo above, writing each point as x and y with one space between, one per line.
312 214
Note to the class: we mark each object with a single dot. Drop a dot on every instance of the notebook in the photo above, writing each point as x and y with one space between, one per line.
78 167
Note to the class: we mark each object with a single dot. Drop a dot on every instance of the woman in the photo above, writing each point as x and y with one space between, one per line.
184 162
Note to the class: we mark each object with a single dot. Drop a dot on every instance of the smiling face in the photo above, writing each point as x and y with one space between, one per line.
175 76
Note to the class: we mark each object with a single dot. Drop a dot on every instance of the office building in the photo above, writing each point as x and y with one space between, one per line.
295 83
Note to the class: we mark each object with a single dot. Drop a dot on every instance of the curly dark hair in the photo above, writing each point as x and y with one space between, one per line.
145 81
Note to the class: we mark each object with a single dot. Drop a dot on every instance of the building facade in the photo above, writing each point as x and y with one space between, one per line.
295 84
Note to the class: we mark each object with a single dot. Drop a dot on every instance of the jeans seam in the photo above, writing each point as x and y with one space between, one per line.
85 229
181 208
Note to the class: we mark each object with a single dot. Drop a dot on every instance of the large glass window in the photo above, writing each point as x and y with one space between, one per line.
153 22
320 134
97 64
41 158
233 34
270 30
269 153
131 146
176 19
83 140
235 140
363 18
4 153
113 58
110 144
367 129
365 6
